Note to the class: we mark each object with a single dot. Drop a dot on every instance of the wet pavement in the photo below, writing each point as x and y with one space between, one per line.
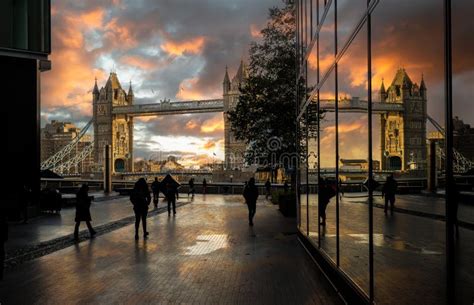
409 251
207 254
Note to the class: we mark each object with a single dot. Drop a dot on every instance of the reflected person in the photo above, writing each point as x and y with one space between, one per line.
388 193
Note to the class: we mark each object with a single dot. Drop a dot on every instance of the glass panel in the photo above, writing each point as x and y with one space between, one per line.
328 165
353 165
463 95
25 25
303 178
349 13
312 171
409 242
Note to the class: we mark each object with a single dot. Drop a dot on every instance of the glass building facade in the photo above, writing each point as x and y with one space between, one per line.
349 51
25 25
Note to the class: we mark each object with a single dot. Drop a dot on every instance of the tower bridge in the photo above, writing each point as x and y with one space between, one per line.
402 109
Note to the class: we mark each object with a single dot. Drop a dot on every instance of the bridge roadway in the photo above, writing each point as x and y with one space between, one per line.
217 105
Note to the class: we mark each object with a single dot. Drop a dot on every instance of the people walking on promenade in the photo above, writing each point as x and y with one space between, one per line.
171 191
268 189
388 192
204 186
326 192
83 205
140 199
251 195
191 187
155 188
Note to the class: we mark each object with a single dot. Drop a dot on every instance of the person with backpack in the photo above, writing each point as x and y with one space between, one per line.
251 195
140 199
83 213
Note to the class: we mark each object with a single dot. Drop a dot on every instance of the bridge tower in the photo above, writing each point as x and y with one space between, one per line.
234 149
115 130
403 135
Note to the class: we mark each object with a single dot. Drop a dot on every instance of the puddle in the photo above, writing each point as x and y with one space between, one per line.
206 244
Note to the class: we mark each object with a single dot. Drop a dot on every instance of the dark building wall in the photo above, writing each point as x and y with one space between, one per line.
20 108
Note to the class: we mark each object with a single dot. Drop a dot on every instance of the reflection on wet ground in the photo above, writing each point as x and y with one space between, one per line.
206 244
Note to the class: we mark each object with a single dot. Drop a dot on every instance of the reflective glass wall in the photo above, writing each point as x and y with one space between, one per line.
386 169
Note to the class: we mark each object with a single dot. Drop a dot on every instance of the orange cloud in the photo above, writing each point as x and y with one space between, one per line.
213 125
345 128
193 46
209 145
139 62
119 35
188 90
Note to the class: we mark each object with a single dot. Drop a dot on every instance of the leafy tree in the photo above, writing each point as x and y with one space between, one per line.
265 117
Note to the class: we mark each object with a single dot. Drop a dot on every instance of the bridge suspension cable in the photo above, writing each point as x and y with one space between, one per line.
58 163
461 163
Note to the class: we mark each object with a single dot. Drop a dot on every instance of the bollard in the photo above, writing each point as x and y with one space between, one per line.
107 170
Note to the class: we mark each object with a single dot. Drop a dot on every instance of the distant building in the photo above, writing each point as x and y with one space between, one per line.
463 138
234 149
356 169
158 166
56 135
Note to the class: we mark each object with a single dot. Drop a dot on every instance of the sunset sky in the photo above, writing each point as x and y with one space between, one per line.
179 50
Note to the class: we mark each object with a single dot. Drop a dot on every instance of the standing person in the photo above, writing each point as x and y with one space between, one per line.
140 198
204 186
3 239
251 195
268 188
388 191
191 187
171 191
83 213
286 186
155 188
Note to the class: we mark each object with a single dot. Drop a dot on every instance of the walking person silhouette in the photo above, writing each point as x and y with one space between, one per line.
251 195
171 191
388 192
140 199
83 213
191 187
268 189
155 188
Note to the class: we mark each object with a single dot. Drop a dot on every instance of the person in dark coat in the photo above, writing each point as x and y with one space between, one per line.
155 188
268 189
251 195
326 192
171 191
204 186
286 187
83 204
140 199
388 192
3 239
191 187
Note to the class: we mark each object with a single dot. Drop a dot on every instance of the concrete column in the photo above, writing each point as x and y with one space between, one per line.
432 176
107 169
